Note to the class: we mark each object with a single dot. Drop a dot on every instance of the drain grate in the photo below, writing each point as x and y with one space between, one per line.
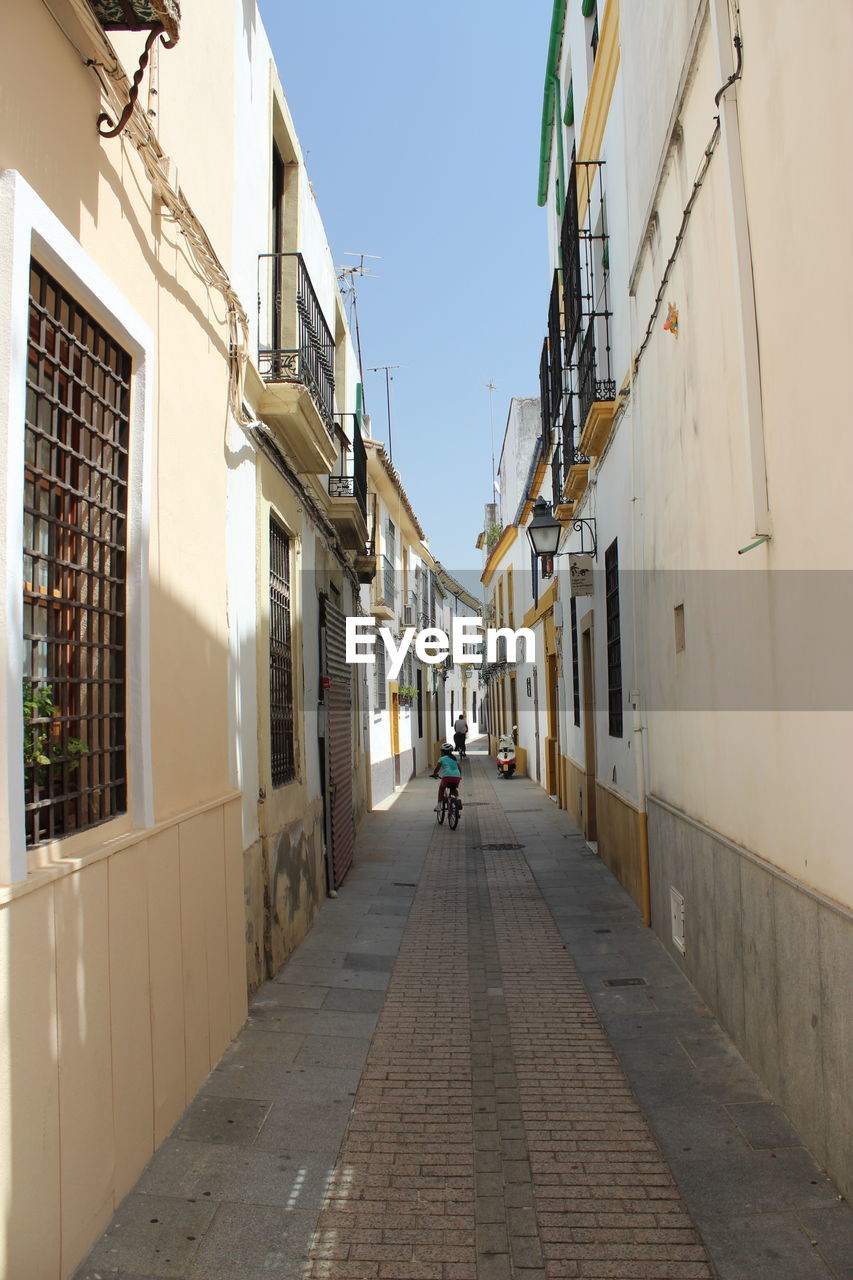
624 982
404 884
602 930
501 847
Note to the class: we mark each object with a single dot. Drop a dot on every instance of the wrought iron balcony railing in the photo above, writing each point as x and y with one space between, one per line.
557 476
595 381
570 258
351 480
555 351
294 341
584 253
545 411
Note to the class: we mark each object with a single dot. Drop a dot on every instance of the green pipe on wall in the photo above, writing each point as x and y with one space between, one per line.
588 8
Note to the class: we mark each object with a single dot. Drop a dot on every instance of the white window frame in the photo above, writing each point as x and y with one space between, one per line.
29 229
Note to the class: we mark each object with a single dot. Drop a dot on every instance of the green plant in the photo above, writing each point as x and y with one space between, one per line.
408 691
42 746
493 535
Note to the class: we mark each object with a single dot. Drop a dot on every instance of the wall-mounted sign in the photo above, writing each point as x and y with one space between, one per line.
580 574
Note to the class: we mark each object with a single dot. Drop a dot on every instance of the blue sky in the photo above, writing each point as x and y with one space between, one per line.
421 128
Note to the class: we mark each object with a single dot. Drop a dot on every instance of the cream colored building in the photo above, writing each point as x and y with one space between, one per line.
704 690
412 713
183 506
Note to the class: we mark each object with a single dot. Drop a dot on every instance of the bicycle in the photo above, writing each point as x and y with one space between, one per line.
450 805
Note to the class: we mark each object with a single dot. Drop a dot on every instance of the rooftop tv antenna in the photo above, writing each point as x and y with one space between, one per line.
386 369
347 276
491 388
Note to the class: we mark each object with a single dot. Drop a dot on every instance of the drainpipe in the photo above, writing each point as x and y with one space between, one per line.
753 408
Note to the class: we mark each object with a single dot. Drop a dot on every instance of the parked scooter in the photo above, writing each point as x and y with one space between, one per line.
506 755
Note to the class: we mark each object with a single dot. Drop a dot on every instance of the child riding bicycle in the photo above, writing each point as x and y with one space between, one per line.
448 768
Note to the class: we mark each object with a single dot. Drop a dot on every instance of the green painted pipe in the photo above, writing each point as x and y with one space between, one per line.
569 114
359 403
588 8
558 17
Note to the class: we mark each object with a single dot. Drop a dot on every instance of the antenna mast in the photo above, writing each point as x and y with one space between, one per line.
348 275
386 369
491 388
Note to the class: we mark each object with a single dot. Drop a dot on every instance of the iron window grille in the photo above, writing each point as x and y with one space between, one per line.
381 688
75 566
298 345
614 642
282 744
576 682
389 585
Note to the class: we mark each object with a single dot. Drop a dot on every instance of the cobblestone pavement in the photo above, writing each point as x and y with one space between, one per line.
443 1084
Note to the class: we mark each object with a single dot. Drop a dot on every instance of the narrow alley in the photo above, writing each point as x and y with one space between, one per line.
478 1065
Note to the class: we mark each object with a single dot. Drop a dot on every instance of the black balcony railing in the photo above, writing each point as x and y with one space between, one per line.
571 453
351 478
594 376
545 393
555 348
557 476
294 341
570 257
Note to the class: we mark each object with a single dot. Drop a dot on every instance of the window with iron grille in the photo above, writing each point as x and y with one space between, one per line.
614 642
380 701
576 682
75 566
389 582
282 749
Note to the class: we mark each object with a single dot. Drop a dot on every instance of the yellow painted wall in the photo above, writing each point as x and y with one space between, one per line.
123 956
119 997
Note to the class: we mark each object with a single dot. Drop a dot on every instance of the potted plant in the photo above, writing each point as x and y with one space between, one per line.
43 745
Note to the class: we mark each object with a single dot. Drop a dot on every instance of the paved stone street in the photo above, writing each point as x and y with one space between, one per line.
479 1065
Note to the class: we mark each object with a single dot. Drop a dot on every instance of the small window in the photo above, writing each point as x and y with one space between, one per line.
614 641
75 566
679 628
282 748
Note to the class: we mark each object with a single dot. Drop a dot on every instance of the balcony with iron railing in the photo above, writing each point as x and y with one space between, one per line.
296 361
551 369
584 256
347 484
596 386
384 602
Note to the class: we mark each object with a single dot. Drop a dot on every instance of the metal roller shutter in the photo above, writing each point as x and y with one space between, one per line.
338 698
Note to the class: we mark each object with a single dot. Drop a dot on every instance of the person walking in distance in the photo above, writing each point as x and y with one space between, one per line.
460 733
448 769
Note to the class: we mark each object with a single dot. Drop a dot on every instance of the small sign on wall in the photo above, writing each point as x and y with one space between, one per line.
580 575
